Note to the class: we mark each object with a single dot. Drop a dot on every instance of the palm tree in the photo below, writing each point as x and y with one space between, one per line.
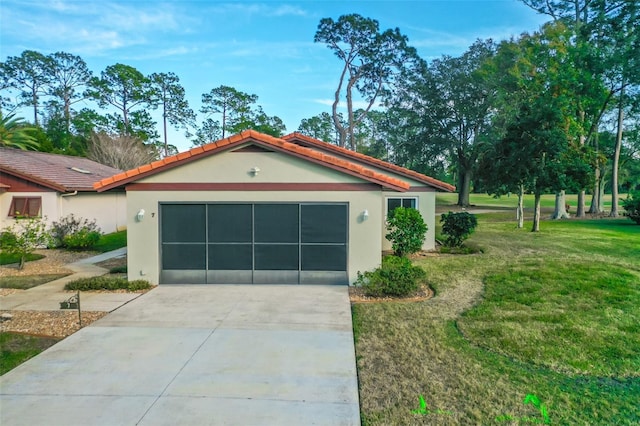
14 132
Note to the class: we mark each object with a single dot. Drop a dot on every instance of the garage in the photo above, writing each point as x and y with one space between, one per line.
254 243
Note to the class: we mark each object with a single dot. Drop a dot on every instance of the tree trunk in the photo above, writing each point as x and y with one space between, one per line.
616 159
580 208
560 211
536 214
464 187
520 208
35 107
596 199
23 259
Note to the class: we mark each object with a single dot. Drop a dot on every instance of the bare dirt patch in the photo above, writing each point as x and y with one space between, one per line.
48 323
113 263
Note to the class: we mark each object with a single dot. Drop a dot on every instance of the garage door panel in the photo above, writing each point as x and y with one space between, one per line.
229 223
230 256
273 257
324 258
230 276
184 256
173 276
276 223
174 218
322 223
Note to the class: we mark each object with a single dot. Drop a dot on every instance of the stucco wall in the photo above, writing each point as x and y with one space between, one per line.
108 209
235 167
143 237
49 206
426 207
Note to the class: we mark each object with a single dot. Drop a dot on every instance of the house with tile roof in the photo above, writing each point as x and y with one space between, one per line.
256 209
52 186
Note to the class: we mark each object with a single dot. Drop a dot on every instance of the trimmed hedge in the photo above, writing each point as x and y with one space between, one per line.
107 283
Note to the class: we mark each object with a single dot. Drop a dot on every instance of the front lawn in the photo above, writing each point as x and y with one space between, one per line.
552 315
109 242
8 259
17 348
24 282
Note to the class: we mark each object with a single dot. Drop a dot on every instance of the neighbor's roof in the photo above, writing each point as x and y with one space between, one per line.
260 139
62 173
308 141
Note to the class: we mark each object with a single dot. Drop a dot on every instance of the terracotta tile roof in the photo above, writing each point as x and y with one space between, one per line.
305 140
260 139
62 173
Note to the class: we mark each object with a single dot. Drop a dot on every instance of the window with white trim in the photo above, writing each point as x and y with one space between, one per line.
406 202
25 207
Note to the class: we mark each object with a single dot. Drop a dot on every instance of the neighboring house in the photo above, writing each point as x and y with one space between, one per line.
52 186
253 208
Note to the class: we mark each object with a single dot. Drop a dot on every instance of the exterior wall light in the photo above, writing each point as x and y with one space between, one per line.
255 170
365 215
140 215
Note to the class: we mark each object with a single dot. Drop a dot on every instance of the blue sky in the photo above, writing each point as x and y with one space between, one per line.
264 48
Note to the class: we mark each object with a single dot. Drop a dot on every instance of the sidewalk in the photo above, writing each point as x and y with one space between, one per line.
47 297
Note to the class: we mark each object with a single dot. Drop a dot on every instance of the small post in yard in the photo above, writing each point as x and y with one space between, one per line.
79 313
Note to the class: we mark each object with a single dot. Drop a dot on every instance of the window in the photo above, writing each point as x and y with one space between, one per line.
25 207
394 203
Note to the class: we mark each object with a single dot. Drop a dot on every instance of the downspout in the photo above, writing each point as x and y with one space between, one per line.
68 194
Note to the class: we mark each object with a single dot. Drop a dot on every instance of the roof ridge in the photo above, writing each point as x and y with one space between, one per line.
370 159
247 136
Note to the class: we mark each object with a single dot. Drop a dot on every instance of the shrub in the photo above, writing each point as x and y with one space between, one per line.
107 283
83 239
69 225
456 227
406 231
396 277
23 238
632 207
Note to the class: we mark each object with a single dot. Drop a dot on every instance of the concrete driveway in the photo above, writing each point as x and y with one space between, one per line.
197 355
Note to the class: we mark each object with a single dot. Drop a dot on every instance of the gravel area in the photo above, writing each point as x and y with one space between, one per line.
53 263
47 323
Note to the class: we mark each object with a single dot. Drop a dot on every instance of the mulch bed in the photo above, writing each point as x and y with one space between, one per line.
356 295
47 323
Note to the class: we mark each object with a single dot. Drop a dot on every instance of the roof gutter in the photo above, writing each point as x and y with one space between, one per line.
69 194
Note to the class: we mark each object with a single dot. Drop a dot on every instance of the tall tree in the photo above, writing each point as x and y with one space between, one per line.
68 74
123 152
170 95
29 74
319 127
124 88
372 61
209 131
233 105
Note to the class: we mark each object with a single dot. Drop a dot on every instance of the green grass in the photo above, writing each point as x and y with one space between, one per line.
18 348
554 314
113 241
8 259
23 282
546 201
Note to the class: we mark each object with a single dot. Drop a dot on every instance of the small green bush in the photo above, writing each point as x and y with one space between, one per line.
396 277
69 226
632 207
456 227
107 283
118 270
81 240
406 231
23 238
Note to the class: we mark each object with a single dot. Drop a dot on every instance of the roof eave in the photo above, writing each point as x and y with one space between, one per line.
35 179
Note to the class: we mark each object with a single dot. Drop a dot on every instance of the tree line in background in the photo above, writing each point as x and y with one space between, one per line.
550 111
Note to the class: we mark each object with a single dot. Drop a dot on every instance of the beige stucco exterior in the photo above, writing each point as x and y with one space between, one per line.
366 235
108 208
